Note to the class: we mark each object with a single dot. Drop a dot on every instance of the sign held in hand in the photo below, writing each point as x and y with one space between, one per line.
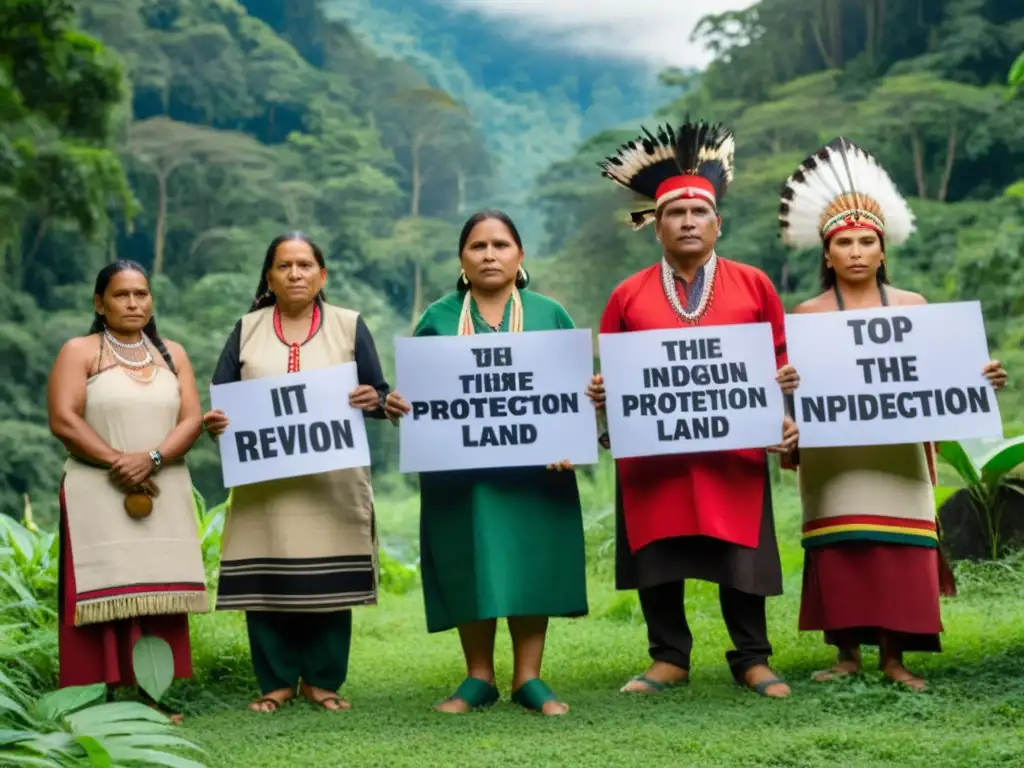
496 400
892 375
691 390
291 425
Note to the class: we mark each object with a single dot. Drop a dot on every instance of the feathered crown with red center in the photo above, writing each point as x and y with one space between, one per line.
693 162
839 187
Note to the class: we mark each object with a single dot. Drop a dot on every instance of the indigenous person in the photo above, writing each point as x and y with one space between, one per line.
872 563
299 552
701 516
498 542
124 403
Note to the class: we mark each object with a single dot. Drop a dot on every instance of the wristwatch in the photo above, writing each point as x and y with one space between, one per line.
382 401
157 458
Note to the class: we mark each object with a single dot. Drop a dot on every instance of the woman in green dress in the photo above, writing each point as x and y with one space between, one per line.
504 542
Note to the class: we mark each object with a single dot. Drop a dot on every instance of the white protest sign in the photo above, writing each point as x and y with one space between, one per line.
892 375
496 400
691 390
290 425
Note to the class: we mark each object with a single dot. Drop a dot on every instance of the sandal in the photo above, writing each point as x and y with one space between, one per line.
762 687
831 675
341 704
534 694
478 694
275 703
656 686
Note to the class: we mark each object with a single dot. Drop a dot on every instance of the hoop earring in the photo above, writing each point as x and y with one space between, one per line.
463 279
521 273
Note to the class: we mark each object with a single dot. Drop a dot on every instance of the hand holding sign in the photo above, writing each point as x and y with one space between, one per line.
365 398
995 374
788 379
215 422
790 437
595 391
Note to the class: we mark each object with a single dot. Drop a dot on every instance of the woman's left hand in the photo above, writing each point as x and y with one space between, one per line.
365 398
790 435
788 379
561 466
995 374
130 469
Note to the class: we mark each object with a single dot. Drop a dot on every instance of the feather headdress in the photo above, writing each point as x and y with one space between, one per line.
694 161
841 186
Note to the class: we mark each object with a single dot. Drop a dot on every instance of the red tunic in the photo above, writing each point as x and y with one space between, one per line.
699 494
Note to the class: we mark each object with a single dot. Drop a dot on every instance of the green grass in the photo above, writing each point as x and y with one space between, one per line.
973 716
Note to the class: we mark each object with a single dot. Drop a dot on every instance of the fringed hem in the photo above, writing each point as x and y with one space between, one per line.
132 606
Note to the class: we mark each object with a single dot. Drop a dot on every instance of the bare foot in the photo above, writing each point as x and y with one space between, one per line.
760 674
273 701
839 669
659 675
327 699
899 674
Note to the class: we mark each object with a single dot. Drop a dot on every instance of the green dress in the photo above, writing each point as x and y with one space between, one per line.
500 542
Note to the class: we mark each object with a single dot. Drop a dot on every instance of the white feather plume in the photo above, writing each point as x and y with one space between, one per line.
841 176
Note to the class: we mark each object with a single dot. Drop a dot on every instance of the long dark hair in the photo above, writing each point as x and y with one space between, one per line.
264 298
828 276
99 323
522 280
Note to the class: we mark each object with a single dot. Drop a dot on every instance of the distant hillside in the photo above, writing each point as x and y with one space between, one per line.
535 104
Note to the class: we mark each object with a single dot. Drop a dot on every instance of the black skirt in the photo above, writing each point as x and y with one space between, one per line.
756 571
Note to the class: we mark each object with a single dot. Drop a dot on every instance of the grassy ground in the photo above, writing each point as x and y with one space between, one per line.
973 716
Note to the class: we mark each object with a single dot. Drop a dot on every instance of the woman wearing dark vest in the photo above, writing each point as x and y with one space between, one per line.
872 564
498 543
124 403
300 552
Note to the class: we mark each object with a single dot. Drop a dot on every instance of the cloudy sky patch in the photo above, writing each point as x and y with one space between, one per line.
655 31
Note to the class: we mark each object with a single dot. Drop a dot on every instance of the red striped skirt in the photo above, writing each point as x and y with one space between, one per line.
102 653
854 590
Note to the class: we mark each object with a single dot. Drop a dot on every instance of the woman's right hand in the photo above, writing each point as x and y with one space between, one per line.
596 391
395 406
215 422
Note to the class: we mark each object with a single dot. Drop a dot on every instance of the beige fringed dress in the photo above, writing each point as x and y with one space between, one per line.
121 577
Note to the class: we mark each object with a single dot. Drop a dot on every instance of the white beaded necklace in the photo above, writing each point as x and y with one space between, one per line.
668 283
121 351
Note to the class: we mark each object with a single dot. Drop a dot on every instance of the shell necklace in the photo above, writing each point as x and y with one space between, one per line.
707 290
132 357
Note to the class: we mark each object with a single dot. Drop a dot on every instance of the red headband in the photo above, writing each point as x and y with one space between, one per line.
687 187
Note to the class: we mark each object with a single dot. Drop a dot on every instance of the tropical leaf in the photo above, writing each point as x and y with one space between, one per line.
1005 458
65 701
153 662
97 754
954 454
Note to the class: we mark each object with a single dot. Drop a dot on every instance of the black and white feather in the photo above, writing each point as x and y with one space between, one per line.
841 178
700 149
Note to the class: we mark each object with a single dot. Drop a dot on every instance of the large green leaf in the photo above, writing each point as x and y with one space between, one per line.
953 452
56 704
97 754
153 661
118 714
1003 459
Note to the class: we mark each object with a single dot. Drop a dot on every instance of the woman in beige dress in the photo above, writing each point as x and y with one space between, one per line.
124 403
301 552
872 565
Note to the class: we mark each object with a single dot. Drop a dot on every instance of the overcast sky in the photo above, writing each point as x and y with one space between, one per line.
656 31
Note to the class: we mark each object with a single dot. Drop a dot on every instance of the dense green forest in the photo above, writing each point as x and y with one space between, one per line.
187 133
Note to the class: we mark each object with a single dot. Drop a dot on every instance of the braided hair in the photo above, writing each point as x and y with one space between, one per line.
99 323
523 279
264 296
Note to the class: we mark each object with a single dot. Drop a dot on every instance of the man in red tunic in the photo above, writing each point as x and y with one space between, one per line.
701 516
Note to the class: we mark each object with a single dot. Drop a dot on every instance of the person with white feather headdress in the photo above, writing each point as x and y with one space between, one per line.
699 516
860 586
